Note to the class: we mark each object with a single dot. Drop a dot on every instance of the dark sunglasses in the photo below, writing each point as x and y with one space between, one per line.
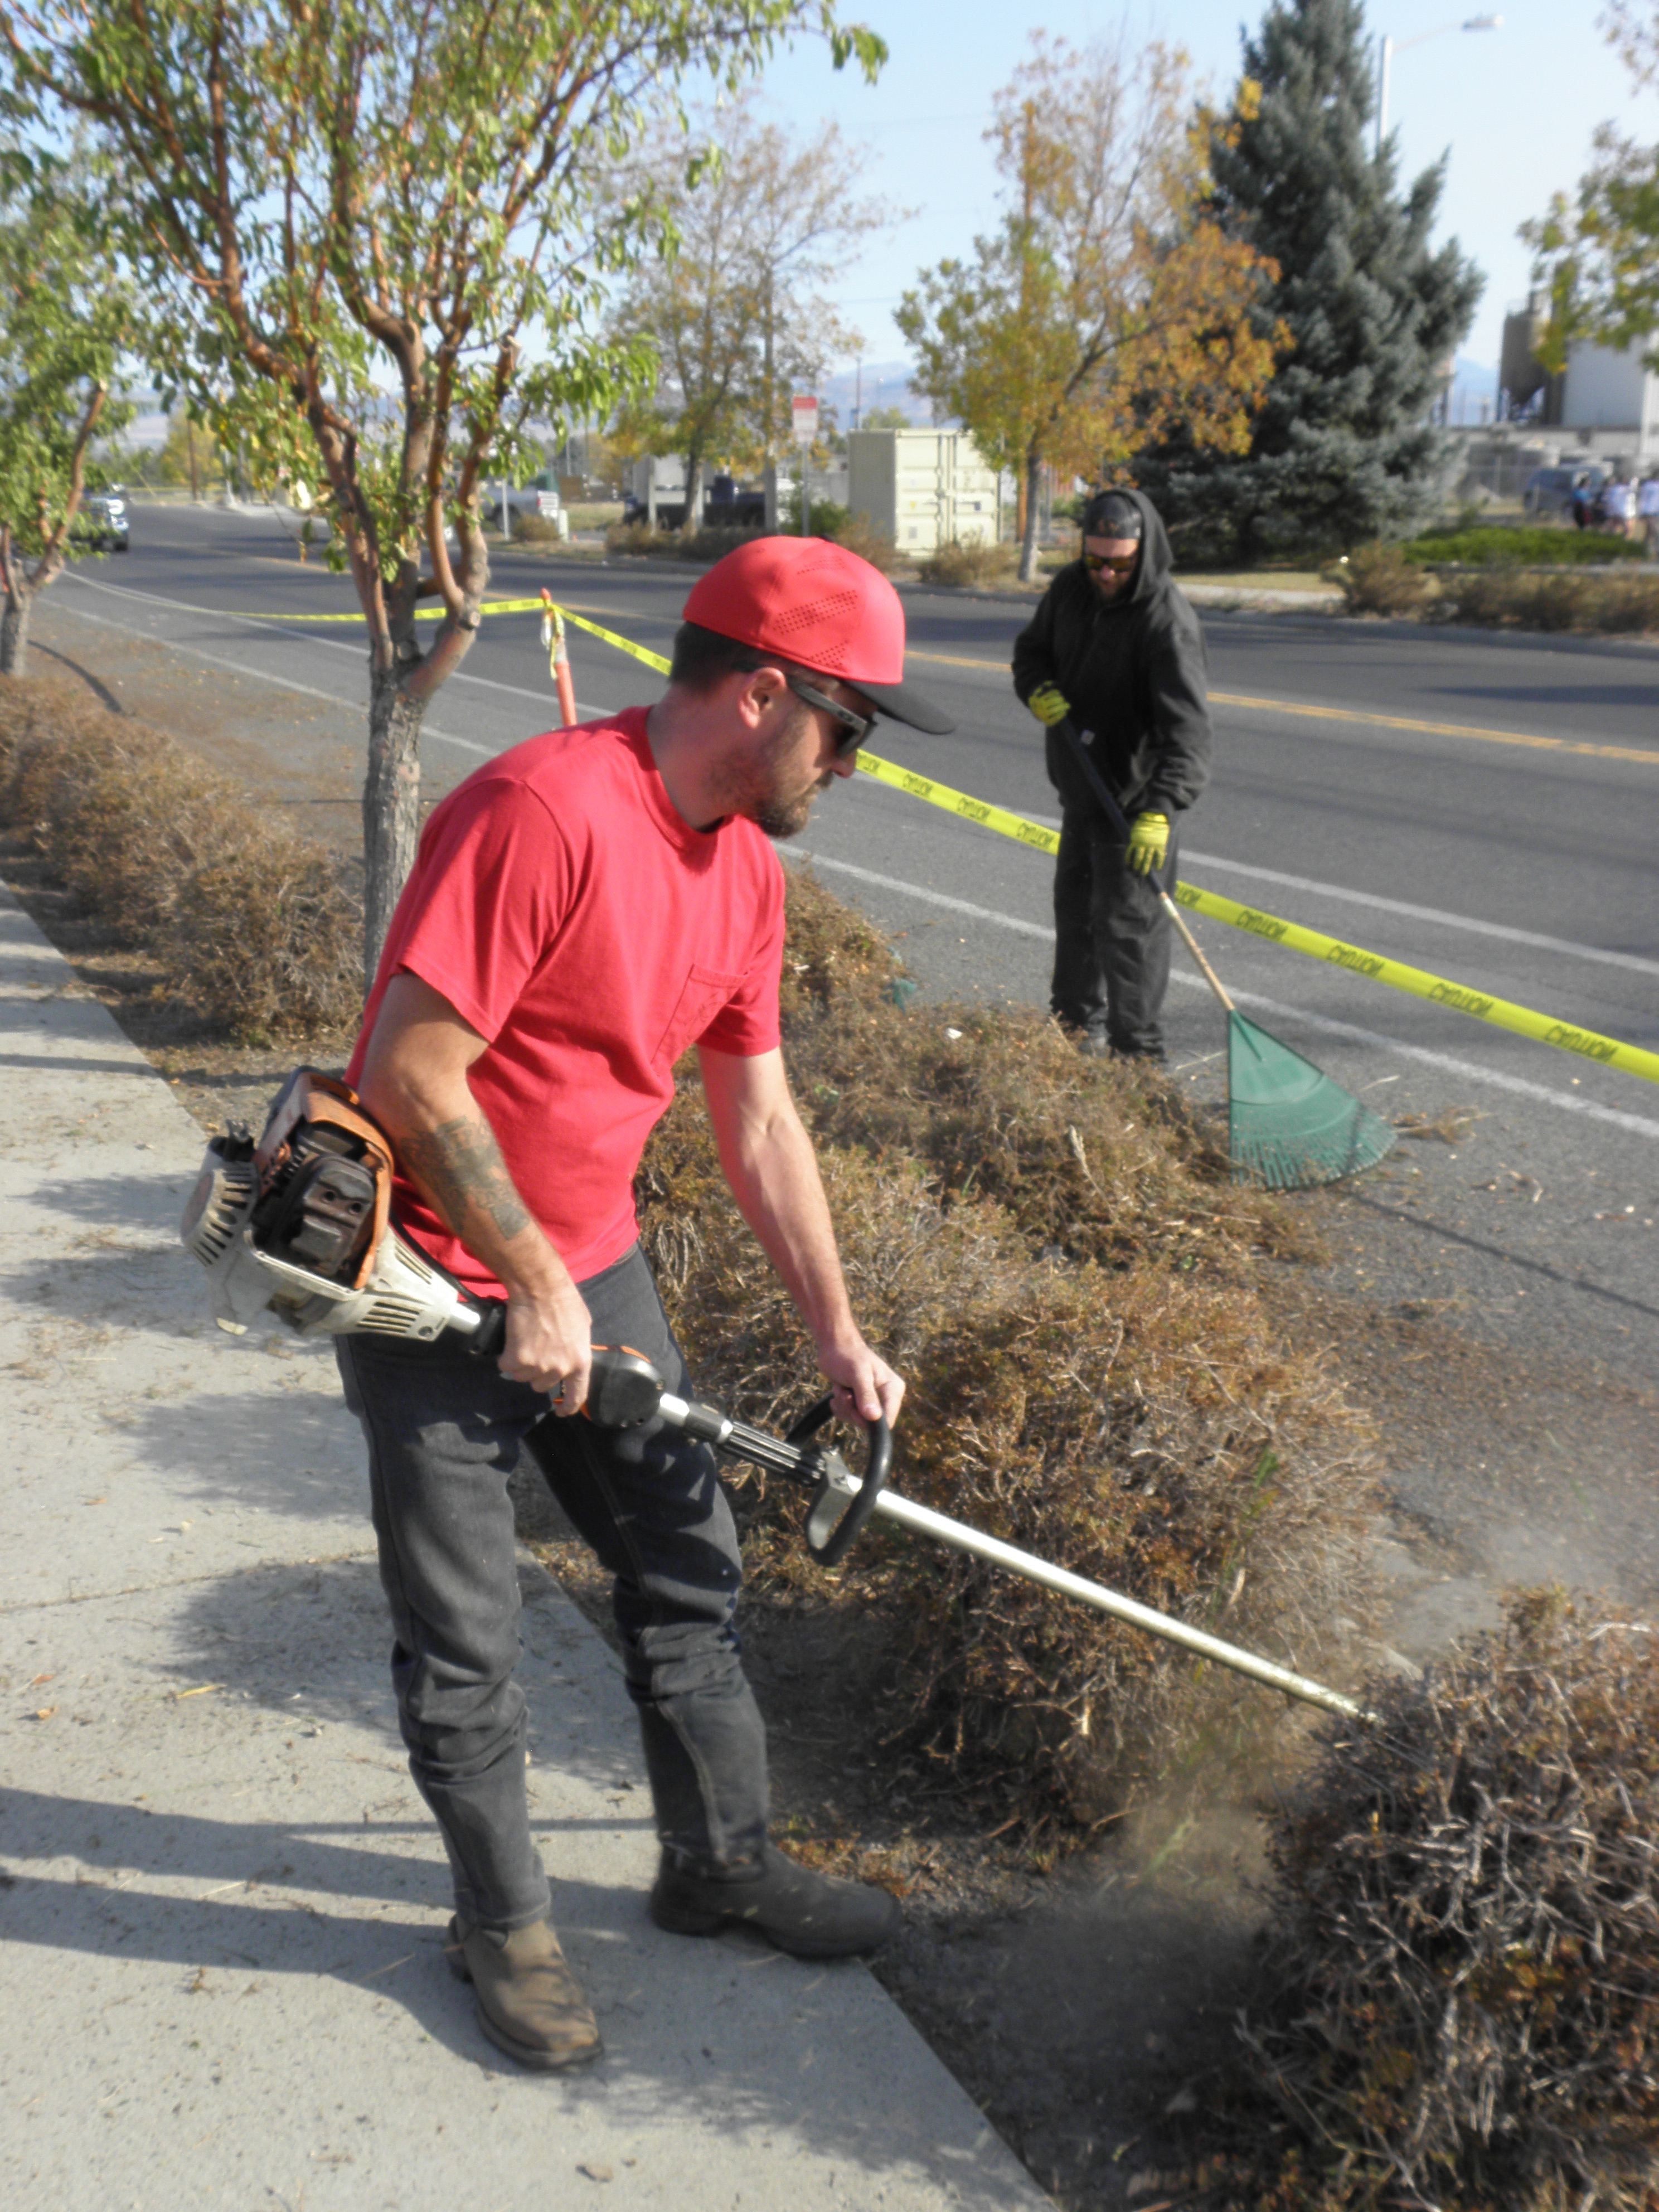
857 727
1119 563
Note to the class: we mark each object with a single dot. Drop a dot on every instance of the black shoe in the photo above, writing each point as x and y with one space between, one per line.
811 1916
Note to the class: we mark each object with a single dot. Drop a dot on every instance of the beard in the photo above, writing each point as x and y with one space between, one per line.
756 788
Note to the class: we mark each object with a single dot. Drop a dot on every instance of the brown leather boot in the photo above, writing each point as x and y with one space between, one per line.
529 2003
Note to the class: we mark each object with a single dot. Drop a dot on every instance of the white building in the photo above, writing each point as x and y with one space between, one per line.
1604 407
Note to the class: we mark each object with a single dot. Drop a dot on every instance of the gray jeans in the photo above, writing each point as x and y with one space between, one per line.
444 1433
1112 937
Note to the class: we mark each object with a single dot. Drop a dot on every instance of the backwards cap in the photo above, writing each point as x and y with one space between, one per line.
1113 514
819 607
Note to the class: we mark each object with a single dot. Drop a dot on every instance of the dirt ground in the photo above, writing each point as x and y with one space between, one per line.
1086 2004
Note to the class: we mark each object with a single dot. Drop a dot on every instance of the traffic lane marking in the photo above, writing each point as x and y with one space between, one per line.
274 628
1631 960
1616 1116
1362 716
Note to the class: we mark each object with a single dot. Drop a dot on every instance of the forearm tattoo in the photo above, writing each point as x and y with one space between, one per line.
459 1165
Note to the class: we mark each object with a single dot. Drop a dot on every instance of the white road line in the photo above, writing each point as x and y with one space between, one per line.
263 676
1636 1124
1633 960
335 644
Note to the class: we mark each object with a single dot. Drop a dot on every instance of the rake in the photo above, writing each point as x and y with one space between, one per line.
1289 1126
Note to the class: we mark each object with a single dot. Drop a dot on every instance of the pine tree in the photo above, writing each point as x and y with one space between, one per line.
1342 451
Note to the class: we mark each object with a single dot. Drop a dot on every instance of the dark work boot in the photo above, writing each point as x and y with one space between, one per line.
529 2003
811 1916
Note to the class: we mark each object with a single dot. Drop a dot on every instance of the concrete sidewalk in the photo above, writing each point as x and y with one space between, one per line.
221 1901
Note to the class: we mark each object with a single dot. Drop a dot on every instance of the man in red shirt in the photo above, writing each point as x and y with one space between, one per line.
582 910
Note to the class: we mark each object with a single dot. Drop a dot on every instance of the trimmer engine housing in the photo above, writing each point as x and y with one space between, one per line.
297 1223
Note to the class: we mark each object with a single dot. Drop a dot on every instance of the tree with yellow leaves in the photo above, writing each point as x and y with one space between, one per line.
1108 306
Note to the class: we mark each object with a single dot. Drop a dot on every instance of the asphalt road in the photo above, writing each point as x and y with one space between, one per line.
1484 807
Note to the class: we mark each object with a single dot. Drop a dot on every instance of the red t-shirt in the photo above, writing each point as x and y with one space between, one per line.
569 913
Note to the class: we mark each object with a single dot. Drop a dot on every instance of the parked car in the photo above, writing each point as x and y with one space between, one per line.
100 524
1549 491
539 496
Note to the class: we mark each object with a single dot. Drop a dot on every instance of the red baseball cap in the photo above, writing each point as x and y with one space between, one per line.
819 607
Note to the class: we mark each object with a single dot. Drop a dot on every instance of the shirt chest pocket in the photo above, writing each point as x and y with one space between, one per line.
706 990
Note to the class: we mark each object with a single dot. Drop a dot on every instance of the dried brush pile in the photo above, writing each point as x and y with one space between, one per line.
249 924
1055 1260
1467 2012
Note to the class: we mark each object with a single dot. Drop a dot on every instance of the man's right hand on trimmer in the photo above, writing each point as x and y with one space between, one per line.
1049 704
550 1342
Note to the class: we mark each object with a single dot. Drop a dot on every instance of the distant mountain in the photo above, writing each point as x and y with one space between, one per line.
879 384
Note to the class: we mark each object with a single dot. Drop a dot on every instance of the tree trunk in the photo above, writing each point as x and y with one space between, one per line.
1028 549
694 491
391 808
15 631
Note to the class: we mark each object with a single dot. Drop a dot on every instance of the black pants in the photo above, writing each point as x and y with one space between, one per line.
1112 938
444 1433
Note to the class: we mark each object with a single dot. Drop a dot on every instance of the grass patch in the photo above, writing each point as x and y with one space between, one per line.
1467 1946
1523 546
249 924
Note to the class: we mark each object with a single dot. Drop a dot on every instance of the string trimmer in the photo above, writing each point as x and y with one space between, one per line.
1288 1125
298 1223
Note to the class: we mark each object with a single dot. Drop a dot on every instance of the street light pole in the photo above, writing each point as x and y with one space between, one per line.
1387 48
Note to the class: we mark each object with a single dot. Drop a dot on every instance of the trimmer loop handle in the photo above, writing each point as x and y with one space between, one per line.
836 1517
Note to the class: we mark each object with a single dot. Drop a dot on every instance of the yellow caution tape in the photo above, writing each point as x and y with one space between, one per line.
1438 990
956 802
1566 1035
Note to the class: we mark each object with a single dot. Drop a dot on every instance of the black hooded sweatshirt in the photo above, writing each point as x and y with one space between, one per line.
1133 671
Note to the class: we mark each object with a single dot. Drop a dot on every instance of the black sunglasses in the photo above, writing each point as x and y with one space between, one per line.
858 726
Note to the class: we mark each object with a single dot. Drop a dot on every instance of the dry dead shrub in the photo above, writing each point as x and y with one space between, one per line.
1378 579
1092 1376
979 562
1598 606
249 923
1467 2013
860 536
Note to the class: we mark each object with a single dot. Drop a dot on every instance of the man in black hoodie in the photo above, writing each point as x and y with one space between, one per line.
1114 645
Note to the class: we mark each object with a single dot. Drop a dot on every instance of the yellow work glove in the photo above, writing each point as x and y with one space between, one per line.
1049 705
1149 843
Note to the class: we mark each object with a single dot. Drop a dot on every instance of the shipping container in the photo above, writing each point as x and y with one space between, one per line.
923 488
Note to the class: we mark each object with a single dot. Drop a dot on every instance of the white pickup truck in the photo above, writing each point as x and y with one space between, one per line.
539 496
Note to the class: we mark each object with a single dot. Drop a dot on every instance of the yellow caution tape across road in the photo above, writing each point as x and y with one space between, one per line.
1437 990
956 802
1566 1037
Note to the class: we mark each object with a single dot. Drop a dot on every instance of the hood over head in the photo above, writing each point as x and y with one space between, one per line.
1157 560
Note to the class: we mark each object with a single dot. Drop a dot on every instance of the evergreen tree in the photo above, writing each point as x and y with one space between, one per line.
1342 450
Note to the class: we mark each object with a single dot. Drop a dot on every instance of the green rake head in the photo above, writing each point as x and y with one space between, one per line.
1289 1126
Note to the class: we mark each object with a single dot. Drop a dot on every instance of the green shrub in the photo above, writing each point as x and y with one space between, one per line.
1535 545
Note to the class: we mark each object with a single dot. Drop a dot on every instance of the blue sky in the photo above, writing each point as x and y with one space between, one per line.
1515 108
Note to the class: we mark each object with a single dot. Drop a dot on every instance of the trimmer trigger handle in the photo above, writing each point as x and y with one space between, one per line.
842 1502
